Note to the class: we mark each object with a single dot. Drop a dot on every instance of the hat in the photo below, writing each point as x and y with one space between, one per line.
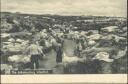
103 56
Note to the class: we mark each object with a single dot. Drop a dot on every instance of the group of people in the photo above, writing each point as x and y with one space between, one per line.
39 48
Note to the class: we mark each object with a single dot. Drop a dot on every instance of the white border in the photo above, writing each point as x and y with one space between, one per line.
89 78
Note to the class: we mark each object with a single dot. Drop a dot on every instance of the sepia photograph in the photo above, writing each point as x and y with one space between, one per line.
63 37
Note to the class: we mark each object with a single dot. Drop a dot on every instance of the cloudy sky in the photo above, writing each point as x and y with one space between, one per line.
67 7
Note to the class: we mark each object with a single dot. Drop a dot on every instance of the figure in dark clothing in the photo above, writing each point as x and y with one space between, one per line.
59 51
34 59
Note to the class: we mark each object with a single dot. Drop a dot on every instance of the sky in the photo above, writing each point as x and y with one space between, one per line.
67 7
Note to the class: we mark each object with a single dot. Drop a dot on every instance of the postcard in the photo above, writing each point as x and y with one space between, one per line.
63 41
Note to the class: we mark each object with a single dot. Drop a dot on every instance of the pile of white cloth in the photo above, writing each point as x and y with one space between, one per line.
103 56
19 58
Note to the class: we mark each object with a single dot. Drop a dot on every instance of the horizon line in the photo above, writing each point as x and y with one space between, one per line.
62 14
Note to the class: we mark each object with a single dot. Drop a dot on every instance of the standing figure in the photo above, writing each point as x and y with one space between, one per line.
78 49
35 51
59 52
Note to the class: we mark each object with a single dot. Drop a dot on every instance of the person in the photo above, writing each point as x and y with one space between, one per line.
59 52
35 51
78 50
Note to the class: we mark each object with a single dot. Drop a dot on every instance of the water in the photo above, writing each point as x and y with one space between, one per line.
69 47
50 61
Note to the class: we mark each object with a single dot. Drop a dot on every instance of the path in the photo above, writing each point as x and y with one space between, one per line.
69 47
50 61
